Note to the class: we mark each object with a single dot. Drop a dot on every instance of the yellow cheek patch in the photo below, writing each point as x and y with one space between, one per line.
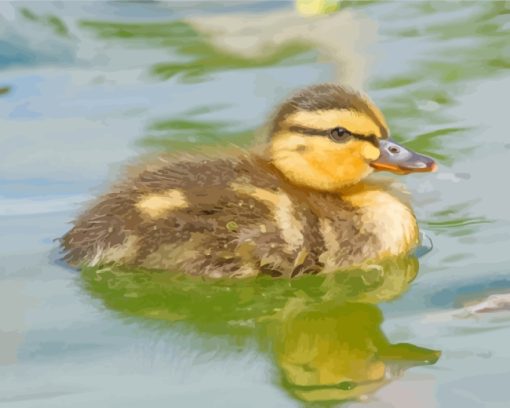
322 164
370 152
333 157
157 205
353 121
346 167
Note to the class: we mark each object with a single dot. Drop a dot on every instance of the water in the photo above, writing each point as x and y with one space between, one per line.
82 96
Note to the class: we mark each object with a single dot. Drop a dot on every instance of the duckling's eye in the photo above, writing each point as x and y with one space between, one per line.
339 135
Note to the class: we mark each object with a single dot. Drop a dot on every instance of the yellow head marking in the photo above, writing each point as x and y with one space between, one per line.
304 146
376 112
157 205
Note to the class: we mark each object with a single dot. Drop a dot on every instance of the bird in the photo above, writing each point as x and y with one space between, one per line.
303 202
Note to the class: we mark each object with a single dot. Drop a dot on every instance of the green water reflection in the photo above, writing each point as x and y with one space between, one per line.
185 133
322 332
49 20
336 352
199 55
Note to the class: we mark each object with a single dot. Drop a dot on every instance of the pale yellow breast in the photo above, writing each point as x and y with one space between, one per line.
388 218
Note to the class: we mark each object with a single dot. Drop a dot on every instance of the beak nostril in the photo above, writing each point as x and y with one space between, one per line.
400 160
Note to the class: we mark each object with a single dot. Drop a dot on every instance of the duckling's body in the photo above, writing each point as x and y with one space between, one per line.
238 216
247 213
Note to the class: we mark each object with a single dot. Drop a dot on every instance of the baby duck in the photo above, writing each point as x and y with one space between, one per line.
296 206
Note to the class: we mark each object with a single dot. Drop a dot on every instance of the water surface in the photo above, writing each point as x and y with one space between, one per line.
89 86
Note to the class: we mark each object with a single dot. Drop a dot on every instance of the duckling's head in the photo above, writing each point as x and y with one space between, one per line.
327 137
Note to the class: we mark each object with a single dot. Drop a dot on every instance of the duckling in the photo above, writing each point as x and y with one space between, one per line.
300 204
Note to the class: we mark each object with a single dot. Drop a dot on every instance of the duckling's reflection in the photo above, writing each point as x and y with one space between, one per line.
323 331
335 350
339 352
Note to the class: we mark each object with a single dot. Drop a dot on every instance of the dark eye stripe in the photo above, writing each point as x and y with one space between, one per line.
370 139
309 131
318 132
